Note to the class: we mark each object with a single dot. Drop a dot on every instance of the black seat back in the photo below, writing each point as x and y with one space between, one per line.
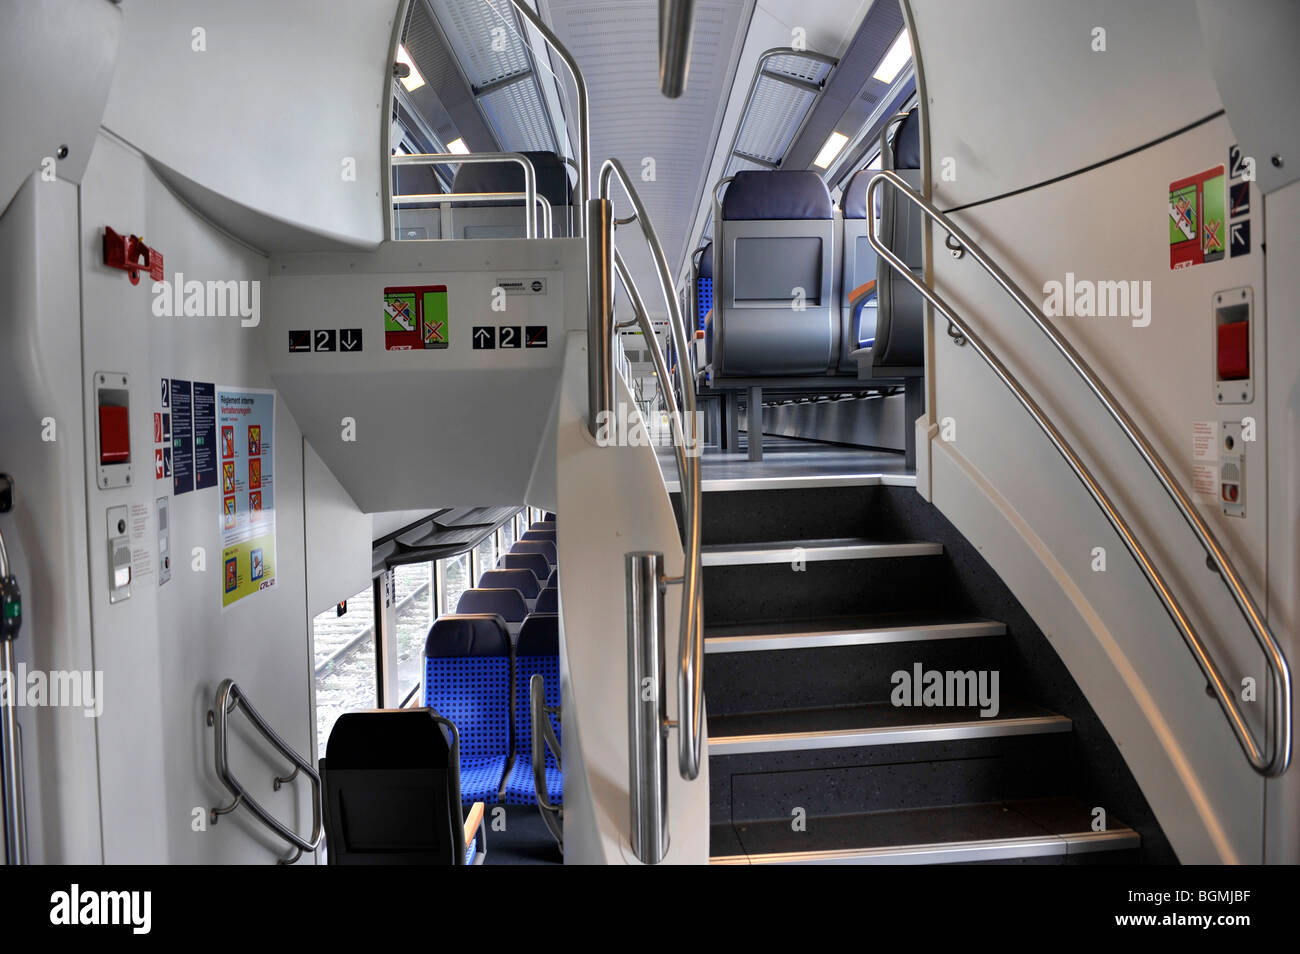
899 348
391 780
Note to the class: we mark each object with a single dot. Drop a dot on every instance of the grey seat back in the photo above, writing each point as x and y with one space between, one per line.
857 325
417 220
505 219
775 250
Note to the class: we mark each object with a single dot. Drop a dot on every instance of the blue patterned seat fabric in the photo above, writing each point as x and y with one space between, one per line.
538 651
468 668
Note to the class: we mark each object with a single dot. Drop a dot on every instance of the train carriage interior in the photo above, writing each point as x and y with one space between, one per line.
649 432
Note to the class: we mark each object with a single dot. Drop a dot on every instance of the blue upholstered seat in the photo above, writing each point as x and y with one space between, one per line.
548 601
536 562
507 603
522 580
544 547
468 677
538 652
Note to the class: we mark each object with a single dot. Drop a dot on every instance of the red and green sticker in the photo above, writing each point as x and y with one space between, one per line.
1198 227
415 317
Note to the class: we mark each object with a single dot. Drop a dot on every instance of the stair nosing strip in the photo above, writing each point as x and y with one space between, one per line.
888 735
760 554
878 636
987 849
797 482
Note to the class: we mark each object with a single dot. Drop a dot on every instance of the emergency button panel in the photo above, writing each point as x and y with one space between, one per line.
112 429
1234 338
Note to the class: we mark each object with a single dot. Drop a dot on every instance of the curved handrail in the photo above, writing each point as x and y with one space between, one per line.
1279 757
690 685
543 738
580 83
228 698
452 158
545 229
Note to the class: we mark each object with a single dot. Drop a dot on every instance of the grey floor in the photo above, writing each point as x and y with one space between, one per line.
789 462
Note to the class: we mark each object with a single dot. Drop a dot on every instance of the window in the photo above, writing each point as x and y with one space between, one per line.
414 613
485 557
454 578
344 648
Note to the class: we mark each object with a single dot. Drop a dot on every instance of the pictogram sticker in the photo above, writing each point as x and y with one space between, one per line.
484 337
228 477
535 336
1240 236
255 473
415 318
1197 219
508 336
299 340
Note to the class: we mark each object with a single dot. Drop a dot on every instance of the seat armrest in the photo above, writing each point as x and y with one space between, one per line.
863 291
472 821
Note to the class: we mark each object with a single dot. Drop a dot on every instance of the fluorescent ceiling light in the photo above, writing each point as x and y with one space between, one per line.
414 81
458 147
834 143
899 52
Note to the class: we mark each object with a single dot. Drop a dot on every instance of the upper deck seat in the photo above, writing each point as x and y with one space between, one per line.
538 652
469 667
543 525
526 561
773 314
899 347
391 790
548 517
553 581
505 219
538 535
544 547
416 220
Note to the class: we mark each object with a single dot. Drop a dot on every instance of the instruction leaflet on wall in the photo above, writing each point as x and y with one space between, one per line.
246 421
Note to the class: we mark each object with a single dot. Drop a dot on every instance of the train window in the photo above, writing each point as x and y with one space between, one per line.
344 648
485 556
507 534
415 610
454 579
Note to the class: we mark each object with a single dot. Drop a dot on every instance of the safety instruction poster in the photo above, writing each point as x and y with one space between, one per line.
246 425
1197 224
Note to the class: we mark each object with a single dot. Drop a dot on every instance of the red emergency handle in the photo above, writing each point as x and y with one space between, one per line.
1234 351
131 255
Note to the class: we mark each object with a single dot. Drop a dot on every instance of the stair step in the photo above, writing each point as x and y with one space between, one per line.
874 724
846 548
991 831
839 631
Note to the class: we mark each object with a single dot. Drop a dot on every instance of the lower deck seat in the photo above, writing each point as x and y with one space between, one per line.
538 652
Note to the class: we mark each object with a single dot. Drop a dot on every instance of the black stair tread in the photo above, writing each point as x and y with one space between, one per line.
832 624
811 546
1063 818
881 715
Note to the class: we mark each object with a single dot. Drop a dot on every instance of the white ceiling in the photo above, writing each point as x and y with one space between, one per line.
616 43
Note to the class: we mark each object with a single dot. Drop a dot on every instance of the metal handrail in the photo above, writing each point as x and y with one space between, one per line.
464 198
690 685
228 698
544 737
452 158
1279 757
580 84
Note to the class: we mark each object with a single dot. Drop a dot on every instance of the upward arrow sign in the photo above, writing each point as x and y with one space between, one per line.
485 337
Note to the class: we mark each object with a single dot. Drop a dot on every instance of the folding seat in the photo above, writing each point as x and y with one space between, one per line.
391 792
548 601
858 295
544 547
506 219
898 350
508 604
469 667
526 561
522 580
773 314
538 652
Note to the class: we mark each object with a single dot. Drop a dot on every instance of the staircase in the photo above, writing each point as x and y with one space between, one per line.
809 759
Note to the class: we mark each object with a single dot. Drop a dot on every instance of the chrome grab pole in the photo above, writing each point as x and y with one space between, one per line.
580 83
1276 762
11 782
676 29
452 158
600 312
647 735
